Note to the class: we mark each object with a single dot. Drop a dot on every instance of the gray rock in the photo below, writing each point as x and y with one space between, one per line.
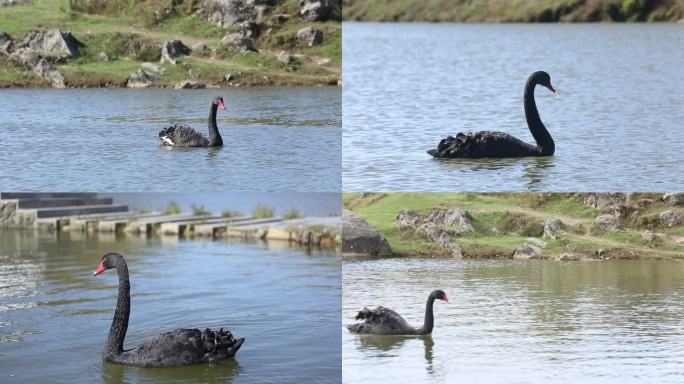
153 67
494 231
11 3
455 218
102 56
7 212
527 251
309 37
280 18
602 200
5 44
54 41
408 219
669 219
552 228
236 42
172 50
226 13
607 222
673 198
201 49
644 203
190 84
141 79
285 57
228 78
249 29
360 238
648 236
538 242
320 10
438 225
26 56
38 64
571 257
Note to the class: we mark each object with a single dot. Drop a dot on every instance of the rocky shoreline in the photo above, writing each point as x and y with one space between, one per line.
645 223
58 58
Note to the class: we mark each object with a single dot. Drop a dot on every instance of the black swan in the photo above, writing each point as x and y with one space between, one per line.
178 347
500 144
384 321
184 136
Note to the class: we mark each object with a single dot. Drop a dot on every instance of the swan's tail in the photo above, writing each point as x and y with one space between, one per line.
450 146
220 344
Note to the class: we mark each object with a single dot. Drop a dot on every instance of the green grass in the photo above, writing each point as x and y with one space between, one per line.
292 214
286 38
88 74
14 75
229 213
199 210
262 211
191 26
516 217
172 208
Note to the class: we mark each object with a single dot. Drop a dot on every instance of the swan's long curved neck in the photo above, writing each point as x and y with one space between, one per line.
117 332
214 135
541 135
429 322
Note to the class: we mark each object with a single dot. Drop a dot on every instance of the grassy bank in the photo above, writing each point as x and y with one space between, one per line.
504 221
514 10
131 36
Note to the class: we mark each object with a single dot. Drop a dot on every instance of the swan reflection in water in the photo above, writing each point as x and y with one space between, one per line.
389 343
219 372
533 169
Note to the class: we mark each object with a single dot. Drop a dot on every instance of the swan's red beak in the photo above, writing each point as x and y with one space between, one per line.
445 298
221 104
549 86
100 269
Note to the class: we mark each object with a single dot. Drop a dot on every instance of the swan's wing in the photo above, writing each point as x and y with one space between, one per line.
482 144
182 347
182 136
380 320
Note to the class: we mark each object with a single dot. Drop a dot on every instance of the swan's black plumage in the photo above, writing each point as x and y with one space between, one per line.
178 347
384 321
500 144
184 136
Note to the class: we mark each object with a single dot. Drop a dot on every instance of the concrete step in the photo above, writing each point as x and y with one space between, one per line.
62 202
44 195
180 227
148 225
92 222
224 228
43 213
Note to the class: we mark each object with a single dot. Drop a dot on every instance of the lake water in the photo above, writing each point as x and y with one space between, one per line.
519 321
616 117
275 139
54 316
